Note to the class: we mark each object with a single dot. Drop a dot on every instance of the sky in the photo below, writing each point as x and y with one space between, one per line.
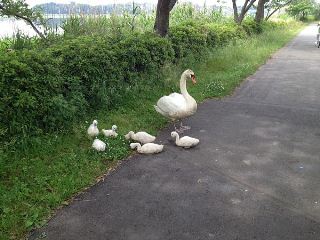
104 2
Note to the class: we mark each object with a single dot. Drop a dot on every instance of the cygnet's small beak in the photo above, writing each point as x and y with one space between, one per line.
193 78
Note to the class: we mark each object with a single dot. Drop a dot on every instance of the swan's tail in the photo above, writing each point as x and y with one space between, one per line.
159 110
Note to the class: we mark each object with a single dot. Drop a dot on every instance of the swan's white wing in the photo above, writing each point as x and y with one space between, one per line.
98 145
170 105
188 141
93 131
179 99
144 137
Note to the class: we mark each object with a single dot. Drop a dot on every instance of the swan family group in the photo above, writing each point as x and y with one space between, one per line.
174 106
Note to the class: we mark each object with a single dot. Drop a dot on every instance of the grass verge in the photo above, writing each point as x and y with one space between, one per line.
37 179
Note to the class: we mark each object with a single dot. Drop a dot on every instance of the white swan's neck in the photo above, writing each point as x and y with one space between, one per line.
177 138
183 86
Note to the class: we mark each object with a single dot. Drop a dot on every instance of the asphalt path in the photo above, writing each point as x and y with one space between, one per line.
254 175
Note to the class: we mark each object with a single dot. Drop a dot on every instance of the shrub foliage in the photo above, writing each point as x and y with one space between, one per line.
47 89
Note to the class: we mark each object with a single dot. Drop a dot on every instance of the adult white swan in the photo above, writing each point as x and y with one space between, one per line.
178 106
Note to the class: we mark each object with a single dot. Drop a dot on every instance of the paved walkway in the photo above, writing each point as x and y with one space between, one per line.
255 174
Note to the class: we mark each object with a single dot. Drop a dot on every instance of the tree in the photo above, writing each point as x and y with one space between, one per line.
260 10
164 7
238 18
316 11
273 6
19 9
301 8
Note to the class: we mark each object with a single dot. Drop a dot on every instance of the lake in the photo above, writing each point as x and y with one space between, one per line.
10 26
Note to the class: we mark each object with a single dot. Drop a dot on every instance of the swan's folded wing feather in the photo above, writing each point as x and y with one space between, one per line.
170 105
178 98
186 140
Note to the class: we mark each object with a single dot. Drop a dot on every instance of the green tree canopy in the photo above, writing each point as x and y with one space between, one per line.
300 9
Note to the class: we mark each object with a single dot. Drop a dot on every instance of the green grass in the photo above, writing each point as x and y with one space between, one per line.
46 173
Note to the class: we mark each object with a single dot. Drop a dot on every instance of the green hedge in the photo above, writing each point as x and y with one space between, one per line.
251 27
187 38
33 94
45 90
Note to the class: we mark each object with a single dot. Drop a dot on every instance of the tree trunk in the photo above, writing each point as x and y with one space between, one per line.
238 18
260 11
235 11
162 16
171 4
32 25
270 14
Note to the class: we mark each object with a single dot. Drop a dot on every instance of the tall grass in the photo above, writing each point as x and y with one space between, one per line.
18 41
186 11
137 20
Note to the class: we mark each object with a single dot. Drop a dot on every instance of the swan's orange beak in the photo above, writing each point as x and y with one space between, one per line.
193 78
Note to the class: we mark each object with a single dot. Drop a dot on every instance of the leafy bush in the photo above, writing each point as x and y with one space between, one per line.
219 35
33 95
187 38
271 25
213 38
49 88
251 27
143 53
90 61
105 68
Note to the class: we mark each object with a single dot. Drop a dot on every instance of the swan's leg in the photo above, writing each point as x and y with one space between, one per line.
184 127
178 130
